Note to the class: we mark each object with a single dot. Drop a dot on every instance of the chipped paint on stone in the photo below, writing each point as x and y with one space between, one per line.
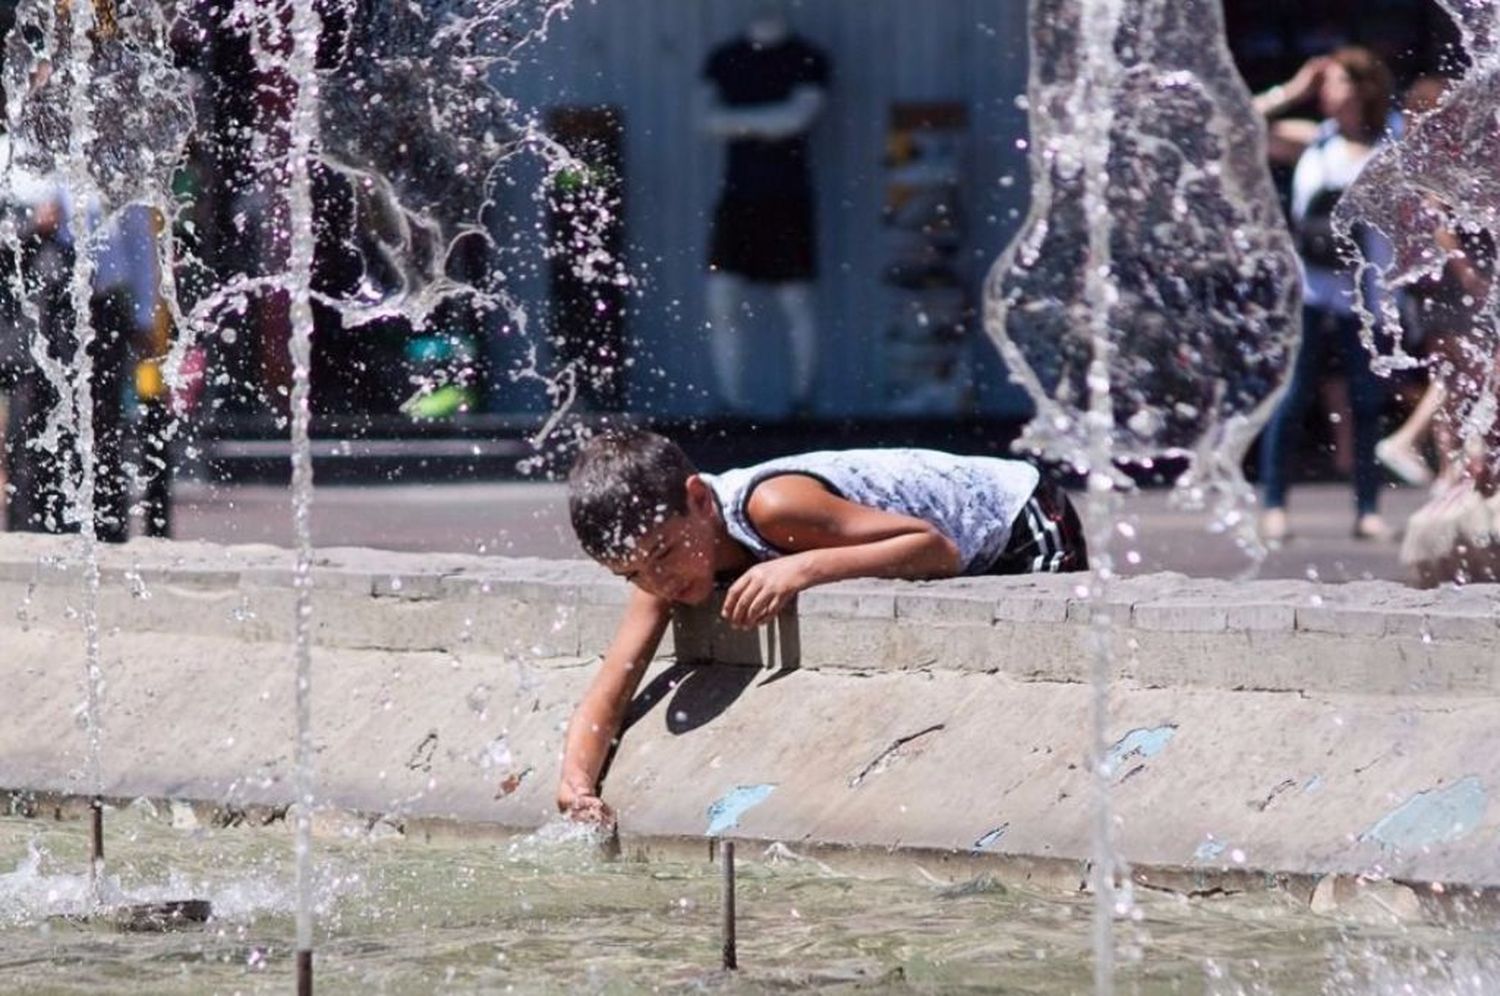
904 747
1432 817
991 837
1142 743
1209 850
725 813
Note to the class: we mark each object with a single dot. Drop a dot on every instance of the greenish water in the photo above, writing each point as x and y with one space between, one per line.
544 915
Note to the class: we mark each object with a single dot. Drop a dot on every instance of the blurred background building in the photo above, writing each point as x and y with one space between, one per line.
919 168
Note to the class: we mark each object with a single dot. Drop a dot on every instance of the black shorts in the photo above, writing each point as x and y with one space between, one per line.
768 240
1046 538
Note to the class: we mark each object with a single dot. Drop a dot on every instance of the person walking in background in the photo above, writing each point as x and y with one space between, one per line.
763 92
53 226
1354 89
37 278
122 310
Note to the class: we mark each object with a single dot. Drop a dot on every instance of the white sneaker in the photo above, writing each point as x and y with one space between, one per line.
1274 526
1372 527
1404 462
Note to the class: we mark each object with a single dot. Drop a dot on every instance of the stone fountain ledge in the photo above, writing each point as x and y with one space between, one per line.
1257 727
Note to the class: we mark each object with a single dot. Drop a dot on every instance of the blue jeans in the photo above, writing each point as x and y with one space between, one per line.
1324 332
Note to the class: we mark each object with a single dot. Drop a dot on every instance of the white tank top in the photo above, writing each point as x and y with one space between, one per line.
971 500
1332 162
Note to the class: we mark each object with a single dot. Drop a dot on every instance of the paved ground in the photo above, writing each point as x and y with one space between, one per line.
521 519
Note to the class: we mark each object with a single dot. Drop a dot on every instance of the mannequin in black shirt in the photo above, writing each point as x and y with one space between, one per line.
762 93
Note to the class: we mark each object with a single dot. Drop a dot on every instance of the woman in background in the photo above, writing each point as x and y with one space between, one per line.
1354 91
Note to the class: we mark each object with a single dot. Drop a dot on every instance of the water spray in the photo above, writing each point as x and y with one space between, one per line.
1124 262
78 397
306 28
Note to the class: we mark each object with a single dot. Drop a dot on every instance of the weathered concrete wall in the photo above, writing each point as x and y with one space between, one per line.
1272 726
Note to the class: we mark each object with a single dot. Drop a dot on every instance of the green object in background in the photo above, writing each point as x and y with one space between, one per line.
440 359
584 176
444 402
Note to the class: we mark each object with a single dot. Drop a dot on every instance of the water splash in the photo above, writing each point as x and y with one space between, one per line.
379 136
561 842
36 890
301 48
1383 969
96 118
84 191
411 117
1438 176
417 144
354 71
1147 305
30 892
1173 281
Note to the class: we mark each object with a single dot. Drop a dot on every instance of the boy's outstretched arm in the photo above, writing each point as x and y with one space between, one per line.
827 538
596 720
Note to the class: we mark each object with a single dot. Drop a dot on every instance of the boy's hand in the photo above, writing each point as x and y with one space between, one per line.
578 802
592 809
764 590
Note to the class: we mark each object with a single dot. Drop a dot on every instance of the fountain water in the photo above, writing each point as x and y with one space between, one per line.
1437 180
420 197
1146 304
1432 177
71 120
301 47
97 106
1086 309
81 112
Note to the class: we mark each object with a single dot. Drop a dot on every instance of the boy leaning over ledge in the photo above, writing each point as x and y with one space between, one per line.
640 508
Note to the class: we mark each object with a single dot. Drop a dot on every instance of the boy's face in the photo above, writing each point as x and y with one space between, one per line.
675 560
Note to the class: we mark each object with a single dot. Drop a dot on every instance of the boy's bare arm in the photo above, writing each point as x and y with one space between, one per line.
828 538
597 718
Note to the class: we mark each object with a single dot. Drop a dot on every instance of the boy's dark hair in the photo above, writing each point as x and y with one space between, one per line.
623 483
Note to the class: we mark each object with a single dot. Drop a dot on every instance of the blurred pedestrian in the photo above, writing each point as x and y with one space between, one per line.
44 464
1353 89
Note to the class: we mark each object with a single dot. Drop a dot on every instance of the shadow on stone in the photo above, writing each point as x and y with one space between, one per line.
704 693
699 693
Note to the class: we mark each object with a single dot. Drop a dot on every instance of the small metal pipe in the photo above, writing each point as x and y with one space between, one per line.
96 846
304 973
731 959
